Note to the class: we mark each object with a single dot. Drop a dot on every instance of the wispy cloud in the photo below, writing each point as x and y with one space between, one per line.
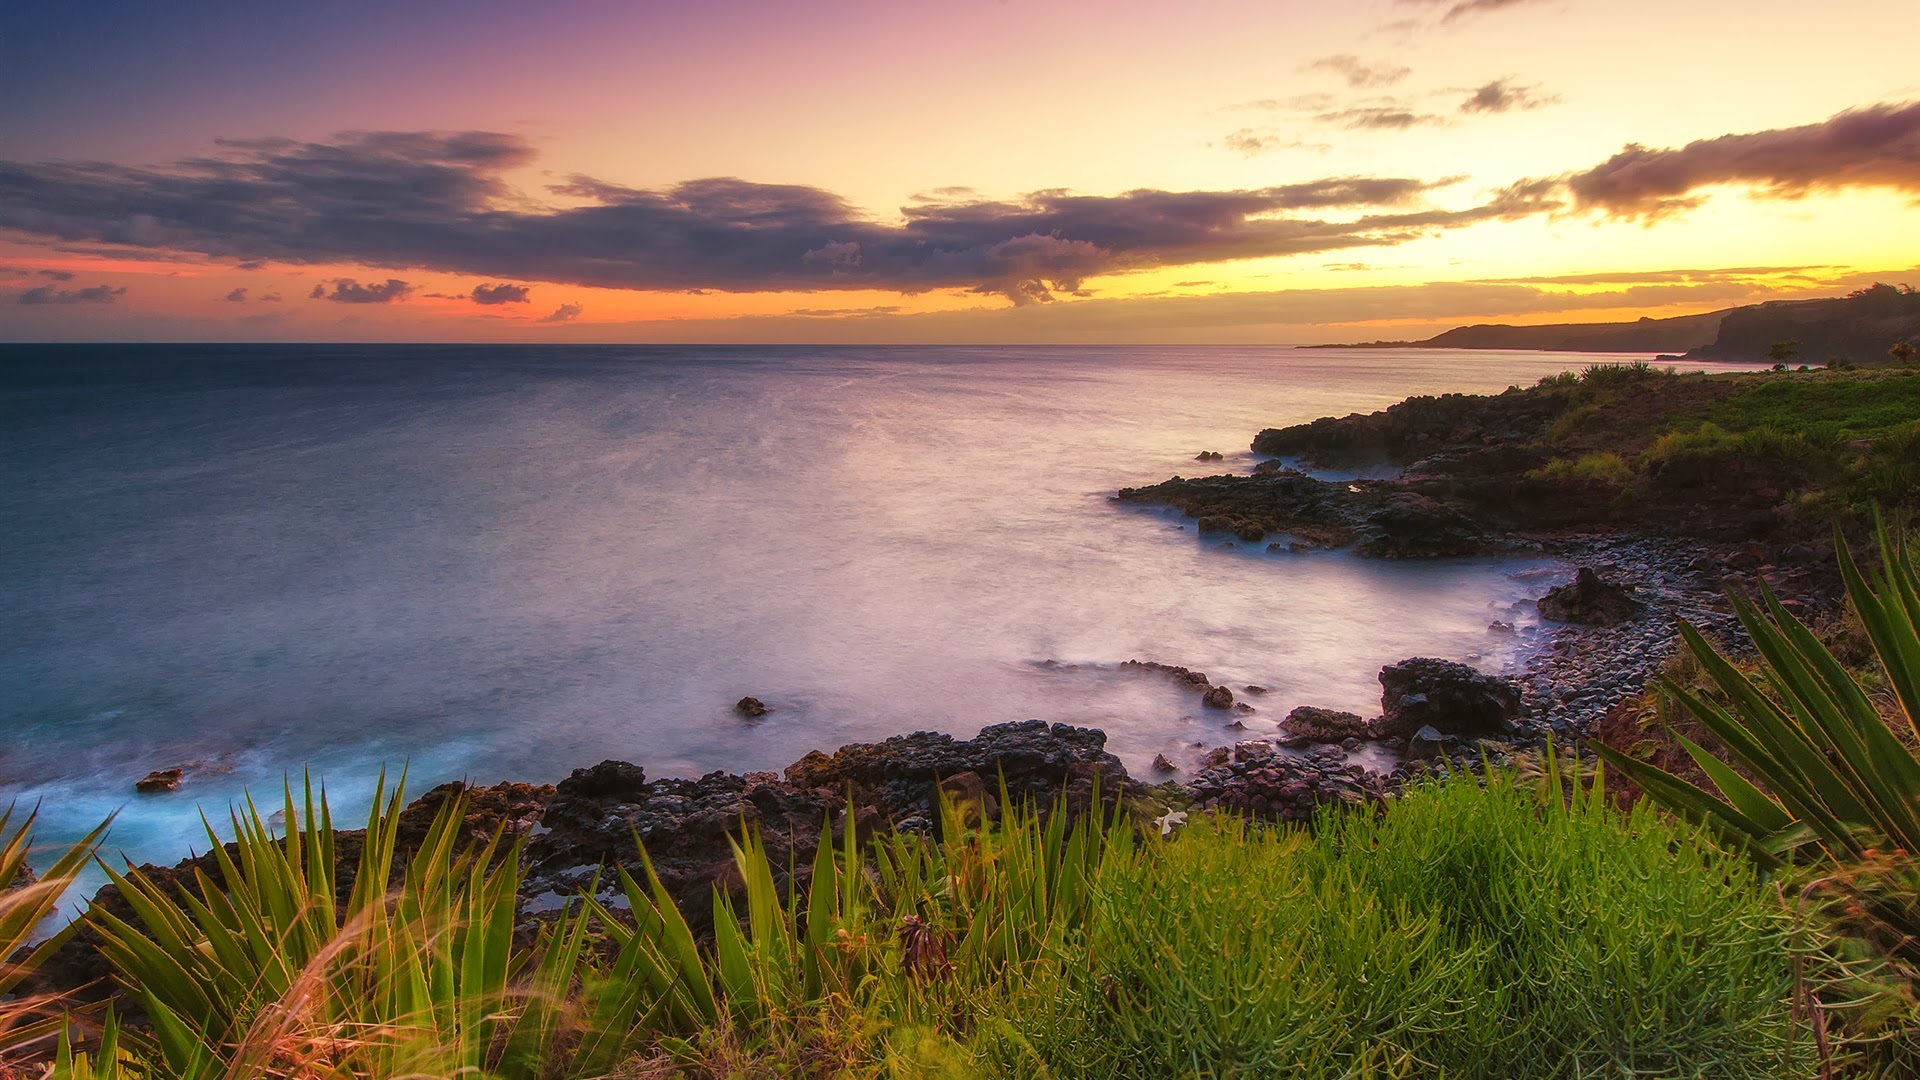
1460 9
96 294
1360 74
1502 95
237 296
563 313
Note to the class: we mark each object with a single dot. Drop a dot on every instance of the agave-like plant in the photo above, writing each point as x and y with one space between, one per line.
23 910
1835 777
260 969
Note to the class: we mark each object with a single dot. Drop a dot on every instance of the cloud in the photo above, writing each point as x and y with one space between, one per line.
1460 9
1380 118
563 313
1252 142
437 202
1359 74
1501 95
1620 277
1875 146
238 296
500 294
349 291
251 264
97 294
57 275
270 298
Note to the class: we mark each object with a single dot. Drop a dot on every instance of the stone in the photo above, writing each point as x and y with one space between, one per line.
609 781
1218 697
1451 697
1310 723
1427 743
160 781
751 707
1162 765
1590 601
1209 455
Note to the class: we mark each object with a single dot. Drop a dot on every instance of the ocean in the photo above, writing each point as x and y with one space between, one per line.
508 562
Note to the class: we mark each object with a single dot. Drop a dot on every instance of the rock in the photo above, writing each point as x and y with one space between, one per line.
160 781
1237 725
1309 723
1250 533
1427 743
1218 697
1254 689
1216 757
1590 601
1453 698
609 781
1162 765
1412 526
751 707
1208 455
1498 627
1178 674
969 792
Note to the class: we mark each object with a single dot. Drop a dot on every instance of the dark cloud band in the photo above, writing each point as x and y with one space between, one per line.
439 202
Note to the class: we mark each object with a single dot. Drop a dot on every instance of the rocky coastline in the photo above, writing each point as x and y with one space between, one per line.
1608 624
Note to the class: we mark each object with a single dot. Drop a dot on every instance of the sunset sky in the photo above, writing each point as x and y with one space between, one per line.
1011 171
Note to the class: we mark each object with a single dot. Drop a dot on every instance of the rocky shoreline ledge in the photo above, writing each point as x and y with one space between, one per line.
1433 713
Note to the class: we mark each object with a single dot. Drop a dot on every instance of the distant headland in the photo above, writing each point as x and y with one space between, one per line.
1859 327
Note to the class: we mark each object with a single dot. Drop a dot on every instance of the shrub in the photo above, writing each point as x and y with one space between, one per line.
1598 470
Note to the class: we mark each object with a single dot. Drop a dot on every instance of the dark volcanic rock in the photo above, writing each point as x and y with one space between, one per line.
1453 698
609 781
1591 601
1035 758
750 706
1218 697
1263 783
1427 743
1310 724
1411 526
159 781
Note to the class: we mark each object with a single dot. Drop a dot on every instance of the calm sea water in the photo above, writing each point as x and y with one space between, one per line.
504 563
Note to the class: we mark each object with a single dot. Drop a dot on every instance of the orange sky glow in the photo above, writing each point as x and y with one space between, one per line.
1022 171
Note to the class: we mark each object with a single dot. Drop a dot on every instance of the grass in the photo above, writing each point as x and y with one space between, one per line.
1474 930
1477 929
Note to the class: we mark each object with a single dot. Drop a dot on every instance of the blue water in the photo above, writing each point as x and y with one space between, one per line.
508 562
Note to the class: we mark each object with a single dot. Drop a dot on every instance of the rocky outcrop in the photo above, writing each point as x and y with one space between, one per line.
1590 601
1452 698
1259 781
1381 519
1310 724
160 781
751 707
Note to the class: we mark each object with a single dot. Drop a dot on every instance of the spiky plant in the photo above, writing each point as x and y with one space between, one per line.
25 1019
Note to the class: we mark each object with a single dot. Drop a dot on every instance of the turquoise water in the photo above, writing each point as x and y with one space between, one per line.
508 562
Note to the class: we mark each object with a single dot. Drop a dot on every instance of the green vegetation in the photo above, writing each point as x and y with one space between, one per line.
1472 931
1822 446
1493 928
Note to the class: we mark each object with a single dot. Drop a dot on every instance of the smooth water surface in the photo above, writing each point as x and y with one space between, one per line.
509 562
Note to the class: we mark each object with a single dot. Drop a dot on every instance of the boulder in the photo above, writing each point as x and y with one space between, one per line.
750 707
1218 697
1310 724
160 781
1452 698
1427 743
610 782
1590 601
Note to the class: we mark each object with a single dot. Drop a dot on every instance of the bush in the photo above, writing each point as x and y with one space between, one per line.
1596 470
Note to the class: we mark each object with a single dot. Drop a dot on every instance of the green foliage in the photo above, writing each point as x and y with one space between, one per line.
260 968
1472 931
25 1020
1604 470
1832 772
1856 405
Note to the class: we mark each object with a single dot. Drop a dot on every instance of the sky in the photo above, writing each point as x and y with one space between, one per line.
995 171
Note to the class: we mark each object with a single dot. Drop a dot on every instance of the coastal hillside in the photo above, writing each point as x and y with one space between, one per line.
1858 328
